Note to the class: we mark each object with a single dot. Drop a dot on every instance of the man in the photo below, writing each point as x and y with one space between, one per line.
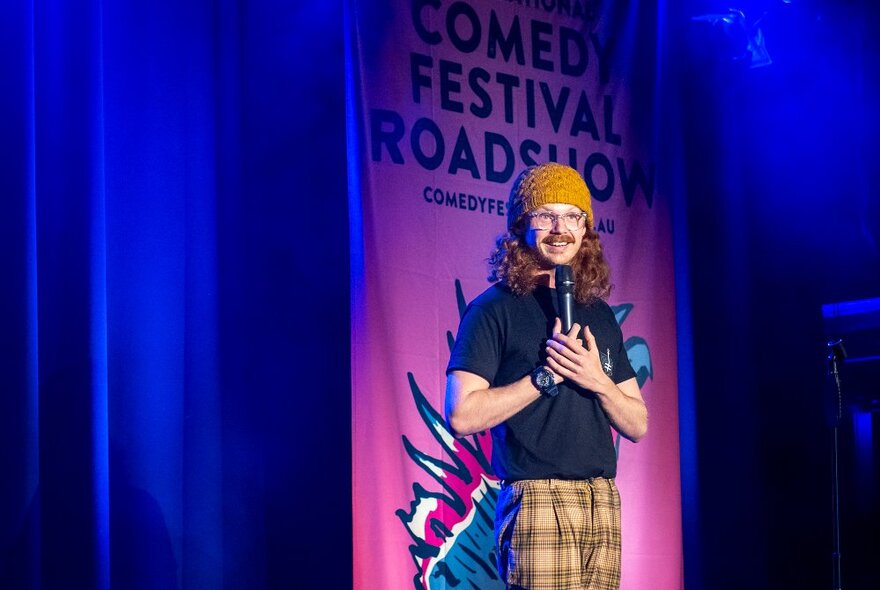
550 398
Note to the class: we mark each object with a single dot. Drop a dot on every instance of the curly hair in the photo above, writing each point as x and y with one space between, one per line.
516 264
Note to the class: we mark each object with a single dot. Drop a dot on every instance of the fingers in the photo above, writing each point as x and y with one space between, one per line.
557 368
559 372
557 329
567 352
570 339
562 356
574 359
560 365
589 338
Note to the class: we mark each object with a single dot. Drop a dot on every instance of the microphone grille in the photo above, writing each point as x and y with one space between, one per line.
563 275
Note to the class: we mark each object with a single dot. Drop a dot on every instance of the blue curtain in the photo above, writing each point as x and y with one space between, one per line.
173 242
781 166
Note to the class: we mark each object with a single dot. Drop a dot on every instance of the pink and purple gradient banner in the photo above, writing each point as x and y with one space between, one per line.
449 100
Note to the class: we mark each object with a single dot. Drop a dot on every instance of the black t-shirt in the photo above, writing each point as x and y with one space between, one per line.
501 338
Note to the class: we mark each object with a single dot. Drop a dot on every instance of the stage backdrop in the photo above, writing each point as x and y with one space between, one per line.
448 101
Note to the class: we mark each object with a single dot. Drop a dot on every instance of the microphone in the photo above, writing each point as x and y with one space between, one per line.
565 294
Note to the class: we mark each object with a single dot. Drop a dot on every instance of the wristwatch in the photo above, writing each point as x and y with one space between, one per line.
543 380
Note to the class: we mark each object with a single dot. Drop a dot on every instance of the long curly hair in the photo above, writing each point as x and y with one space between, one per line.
516 264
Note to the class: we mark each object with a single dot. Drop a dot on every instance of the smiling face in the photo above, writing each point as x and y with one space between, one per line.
557 245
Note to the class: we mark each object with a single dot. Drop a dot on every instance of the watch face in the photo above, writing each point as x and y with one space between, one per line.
544 379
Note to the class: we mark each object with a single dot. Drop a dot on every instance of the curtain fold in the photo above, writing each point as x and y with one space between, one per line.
174 393
113 418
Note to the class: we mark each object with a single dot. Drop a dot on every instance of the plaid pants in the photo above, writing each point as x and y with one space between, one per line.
554 534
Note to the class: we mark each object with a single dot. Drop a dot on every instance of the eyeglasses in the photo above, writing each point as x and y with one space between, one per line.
544 221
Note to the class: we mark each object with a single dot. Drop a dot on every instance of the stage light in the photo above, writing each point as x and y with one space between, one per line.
736 39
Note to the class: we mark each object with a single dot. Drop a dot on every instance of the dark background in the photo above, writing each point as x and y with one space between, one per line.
174 189
782 179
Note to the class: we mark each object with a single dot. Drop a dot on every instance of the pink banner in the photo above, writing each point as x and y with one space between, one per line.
449 100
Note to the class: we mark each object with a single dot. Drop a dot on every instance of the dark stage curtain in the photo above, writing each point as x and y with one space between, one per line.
782 180
174 335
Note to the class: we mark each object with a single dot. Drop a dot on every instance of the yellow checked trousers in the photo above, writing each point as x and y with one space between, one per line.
554 534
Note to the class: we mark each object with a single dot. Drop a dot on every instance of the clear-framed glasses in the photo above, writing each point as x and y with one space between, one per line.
543 221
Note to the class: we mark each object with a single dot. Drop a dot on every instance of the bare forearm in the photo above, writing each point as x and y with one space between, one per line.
469 412
628 415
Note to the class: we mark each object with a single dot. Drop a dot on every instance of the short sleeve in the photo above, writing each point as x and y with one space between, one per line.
477 347
622 368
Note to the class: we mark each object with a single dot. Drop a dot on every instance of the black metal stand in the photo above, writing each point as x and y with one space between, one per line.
836 356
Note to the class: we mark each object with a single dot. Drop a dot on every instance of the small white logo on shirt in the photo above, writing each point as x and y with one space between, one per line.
607 365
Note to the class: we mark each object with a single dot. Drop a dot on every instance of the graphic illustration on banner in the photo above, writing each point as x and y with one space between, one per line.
448 101
453 530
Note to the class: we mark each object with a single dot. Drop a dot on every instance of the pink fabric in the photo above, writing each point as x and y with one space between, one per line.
417 492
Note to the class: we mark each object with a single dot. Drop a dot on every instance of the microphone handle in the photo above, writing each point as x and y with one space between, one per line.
566 310
565 296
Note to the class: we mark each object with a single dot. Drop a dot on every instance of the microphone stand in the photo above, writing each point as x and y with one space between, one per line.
836 356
